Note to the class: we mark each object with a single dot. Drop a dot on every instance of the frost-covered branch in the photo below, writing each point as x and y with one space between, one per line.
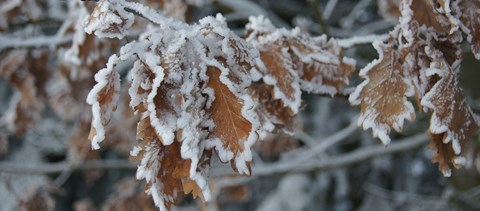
359 8
248 8
55 168
349 42
357 156
326 143
329 8
34 42
149 13
339 161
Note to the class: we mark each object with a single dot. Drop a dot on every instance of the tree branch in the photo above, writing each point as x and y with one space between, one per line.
367 39
56 168
339 161
357 156
36 42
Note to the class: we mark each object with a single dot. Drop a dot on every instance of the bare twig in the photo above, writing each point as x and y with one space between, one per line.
435 202
327 142
319 17
359 8
316 165
327 12
357 156
55 168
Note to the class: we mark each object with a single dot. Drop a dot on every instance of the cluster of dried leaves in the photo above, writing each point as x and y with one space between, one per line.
201 90
194 91
420 61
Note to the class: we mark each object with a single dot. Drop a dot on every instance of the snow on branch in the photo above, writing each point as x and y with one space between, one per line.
7 42
357 40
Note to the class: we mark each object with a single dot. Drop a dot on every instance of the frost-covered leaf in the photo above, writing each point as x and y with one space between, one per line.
389 9
103 97
452 120
289 57
430 13
231 128
383 95
109 19
279 73
273 115
121 134
321 66
443 153
470 13
163 168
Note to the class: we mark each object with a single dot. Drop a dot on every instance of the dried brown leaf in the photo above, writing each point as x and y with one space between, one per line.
443 153
231 127
426 12
452 121
280 68
470 11
273 115
383 95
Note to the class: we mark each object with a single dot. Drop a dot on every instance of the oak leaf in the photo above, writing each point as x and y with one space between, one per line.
383 95
109 19
233 130
470 11
274 117
280 74
452 119
293 62
443 153
166 172
103 97
427 12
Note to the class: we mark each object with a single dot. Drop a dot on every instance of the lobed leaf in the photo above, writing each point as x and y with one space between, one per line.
383 95
452 120
103 97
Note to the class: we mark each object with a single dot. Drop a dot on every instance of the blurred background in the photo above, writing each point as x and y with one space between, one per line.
45 121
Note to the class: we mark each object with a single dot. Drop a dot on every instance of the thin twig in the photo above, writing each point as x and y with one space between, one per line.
357 156
36 42
319 17
339 161
349 42
359 8
56 168
327 143
244 9
327 12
